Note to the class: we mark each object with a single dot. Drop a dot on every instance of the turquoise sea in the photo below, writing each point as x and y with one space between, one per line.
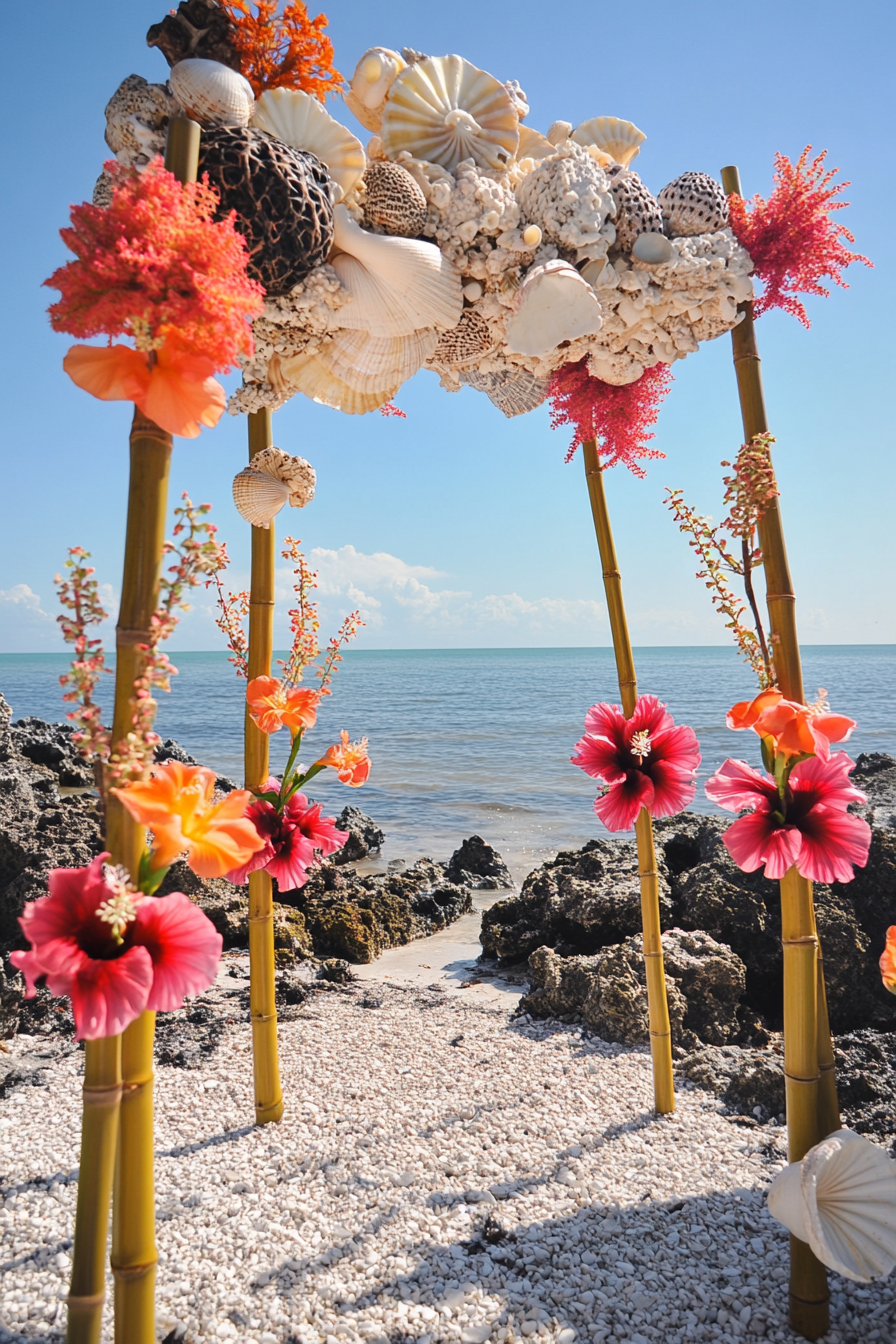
479 740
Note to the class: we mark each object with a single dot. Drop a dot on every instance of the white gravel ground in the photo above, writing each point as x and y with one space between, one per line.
416 1131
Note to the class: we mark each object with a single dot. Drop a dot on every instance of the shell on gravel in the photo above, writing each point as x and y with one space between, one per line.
694 203
637 211
464 344
282 201
393 201
444 110
514 392
299 120
212 93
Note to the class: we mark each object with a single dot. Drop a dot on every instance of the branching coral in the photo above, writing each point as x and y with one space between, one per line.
287 50
618 418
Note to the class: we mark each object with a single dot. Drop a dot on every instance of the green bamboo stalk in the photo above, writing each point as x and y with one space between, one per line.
263 1009
657 1002
134 1256
812 1108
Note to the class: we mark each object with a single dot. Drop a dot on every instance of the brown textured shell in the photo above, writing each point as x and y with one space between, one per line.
694 203
393 202
513 391
464 344
196 28
637 211
282 201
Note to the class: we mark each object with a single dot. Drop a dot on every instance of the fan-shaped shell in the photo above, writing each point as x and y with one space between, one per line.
444 109
374 76
258 497
398 285
841 1199
464 344
299 120
313 376
515 392
393 201
369 363
211 93
694 203
296 473
618 138
533 145
553 304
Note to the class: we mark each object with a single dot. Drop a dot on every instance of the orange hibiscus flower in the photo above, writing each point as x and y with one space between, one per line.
349 760
794 729
888 961
177 391
273 706
178 804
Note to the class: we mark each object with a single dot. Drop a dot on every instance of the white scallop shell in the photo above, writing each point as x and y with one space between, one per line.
212 93
618 138
444 109
841 1199
299 120
533 145
311 375
374 76
258 497
398 285
369 363
296 473
553 304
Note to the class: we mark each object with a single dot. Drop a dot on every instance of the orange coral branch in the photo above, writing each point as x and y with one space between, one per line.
287 50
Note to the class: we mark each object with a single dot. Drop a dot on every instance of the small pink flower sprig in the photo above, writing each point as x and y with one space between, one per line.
79 595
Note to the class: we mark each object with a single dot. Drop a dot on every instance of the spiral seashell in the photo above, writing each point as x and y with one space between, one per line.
619 139
258 497
464 344
299 120
444 110
374 76
137 117
694 203
514 392
211 93
393 201
553 304
841 1199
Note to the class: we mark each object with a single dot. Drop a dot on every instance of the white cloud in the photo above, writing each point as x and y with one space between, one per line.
24 625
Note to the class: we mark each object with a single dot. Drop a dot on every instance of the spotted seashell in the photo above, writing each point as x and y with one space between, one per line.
393 201
694 203
212 93
444 110
102 190
282 201
464 344
637 211
514 392
137 118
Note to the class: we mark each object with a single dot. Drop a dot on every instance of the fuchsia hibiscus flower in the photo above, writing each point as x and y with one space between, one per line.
645 760
291 839
113 951
809 826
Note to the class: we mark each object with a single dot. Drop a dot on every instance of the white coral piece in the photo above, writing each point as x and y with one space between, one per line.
568 195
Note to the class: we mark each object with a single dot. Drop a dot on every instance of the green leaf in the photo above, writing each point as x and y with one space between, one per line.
149 879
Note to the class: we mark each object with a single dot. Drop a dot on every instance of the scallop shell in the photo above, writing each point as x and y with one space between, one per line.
553 304
513 392
299 120
464 344
841 1199
393 201
532 145
212 93
398 285
258 497
374 76
444 109
694 203
637 212
311 375
369 363
618 138
296 473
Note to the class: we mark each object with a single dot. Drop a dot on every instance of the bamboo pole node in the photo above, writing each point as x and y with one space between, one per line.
102 1094
144 428
260 602
260 919
264 1017
84 1302
124 635
133 1273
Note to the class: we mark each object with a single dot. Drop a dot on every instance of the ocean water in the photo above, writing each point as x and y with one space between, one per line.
478 741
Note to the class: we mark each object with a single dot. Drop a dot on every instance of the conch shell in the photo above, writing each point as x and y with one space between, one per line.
212 93
272 479
553 304
374 76
618 139
443 109
841 1199
299 120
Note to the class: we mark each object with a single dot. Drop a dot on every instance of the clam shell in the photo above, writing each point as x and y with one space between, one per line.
299 120
374 76
311 375
553 304
444 109
296 473
620 139
694 203
841 1199
464 344
369 363
398 285
258 497
393 201
211 93
514 393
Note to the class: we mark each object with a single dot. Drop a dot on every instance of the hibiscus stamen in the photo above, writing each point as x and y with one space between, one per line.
118 913
640 745
821 704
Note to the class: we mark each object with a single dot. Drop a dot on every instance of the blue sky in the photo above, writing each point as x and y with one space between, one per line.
455 527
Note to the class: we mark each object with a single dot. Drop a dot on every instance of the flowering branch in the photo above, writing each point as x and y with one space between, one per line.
79 595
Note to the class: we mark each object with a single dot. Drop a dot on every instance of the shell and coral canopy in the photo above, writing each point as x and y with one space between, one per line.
286 50
298 120
444 110
156 263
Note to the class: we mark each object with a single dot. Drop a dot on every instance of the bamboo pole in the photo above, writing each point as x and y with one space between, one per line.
99 1129
268 1094
134 1256
805 1005
657 1003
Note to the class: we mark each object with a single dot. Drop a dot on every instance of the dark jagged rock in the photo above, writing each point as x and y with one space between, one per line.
865 1063
11 990
188 1035
336 971
577 903
195 28
51 744
744 1078
227 906
875 775
364 836
476 864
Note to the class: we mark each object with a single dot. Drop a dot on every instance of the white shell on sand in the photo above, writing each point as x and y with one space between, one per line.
841 1199
374 76
369 363
312 375
443 109
652 249
553 304
212 93
258 497
618 138
398 285
299 120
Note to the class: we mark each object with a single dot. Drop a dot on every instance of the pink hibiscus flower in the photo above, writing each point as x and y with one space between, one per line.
292 838
646 761
114 952
809 826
